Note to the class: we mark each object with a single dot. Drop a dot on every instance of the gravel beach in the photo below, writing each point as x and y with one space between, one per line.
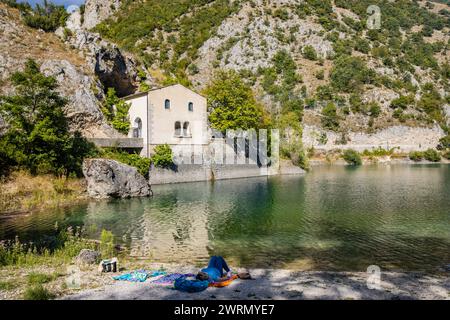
282 284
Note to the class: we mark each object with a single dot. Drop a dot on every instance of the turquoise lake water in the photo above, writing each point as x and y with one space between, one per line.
334 218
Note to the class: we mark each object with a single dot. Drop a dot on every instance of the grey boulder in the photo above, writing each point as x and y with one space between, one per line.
111 179
87 256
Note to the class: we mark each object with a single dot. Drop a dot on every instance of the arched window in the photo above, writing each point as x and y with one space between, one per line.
186 130
167 104
178 128
137 128
191 106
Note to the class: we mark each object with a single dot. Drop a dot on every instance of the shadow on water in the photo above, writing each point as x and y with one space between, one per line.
334 218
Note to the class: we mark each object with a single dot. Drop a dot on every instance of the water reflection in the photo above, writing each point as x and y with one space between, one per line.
334 218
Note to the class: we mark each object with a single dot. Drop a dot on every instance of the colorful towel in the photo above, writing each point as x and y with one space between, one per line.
225 282
169 279
138 275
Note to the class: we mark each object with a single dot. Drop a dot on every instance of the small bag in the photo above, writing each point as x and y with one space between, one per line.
108 265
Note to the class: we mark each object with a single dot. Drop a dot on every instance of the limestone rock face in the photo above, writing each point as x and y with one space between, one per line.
98 10
111 179
403 138
74 21
113 68
447 112
82 110
74 75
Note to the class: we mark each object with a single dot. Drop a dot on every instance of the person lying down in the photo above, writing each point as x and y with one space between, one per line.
215 271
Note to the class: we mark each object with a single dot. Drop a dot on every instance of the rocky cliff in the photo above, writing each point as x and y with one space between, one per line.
83 64
95 11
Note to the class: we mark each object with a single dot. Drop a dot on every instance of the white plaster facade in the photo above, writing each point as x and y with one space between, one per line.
174 115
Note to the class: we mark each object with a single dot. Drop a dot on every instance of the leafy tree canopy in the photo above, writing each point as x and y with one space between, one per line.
116 111
38 138
46 16
231 103
350 73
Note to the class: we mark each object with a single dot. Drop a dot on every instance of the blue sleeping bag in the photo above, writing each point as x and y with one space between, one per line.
187 285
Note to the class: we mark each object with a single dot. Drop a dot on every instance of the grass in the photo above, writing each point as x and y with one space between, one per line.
378 152
21 191
67 245
38 292
8 285
40 278
36 268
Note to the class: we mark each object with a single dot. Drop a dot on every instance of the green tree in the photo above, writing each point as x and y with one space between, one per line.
291 145
431 102
163 156
38 138
47 16
350 73
116 111
330 119
232 104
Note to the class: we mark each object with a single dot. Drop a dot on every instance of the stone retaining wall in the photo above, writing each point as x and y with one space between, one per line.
196 172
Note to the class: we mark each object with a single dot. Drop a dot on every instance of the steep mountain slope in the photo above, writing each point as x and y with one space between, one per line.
314 58
82 69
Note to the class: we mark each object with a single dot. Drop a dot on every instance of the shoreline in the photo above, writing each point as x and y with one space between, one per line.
375 160
281 284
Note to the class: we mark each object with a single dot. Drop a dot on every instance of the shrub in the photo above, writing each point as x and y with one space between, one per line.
163 156
416 155
131 159
330 119
47 17
432 155
431 102
38 292
362 45
378 152
116 111
352 157
107 244
294 150
309 53
446 154
356 104
374 109
350 73
444 143
320 75
402 102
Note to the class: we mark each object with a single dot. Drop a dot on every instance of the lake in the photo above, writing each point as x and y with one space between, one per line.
335 218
